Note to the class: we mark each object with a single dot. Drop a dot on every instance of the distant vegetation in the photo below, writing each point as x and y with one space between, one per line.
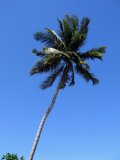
12 156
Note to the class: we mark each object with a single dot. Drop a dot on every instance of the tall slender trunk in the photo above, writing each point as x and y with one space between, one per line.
42 124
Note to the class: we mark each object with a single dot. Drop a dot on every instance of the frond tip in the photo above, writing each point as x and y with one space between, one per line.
102 49
37 53
93 53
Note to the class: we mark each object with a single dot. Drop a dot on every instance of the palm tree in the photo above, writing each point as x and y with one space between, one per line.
62 58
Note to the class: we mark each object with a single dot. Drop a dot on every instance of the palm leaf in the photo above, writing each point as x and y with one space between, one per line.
72 80
49 38
58 43
42 67
57 37
38 53
86 74
84 30
61 31
93 53
67 32
75 41
66 77
78 36
78 60
57 53
50 79
66 29
75 23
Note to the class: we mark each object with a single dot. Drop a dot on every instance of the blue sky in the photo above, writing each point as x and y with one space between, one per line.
85 122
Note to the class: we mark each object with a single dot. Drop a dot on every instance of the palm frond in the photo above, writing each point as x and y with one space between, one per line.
93 53
60 31
67 31
45 38
102 49
42 67
70 33
50 79
41 36
50 52
84 30
49 38
75 23
66 77
75 41
78 60
66 28
78 35
84 25
72 80
38 53
86 74
69 66
58 43
55 35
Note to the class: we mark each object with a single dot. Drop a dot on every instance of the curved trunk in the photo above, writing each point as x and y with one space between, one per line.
42 124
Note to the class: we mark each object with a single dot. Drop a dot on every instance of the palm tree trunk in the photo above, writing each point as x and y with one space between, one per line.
42 124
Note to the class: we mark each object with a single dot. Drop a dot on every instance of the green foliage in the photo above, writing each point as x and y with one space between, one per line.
9 156
86 74
50 79
93 53
62 56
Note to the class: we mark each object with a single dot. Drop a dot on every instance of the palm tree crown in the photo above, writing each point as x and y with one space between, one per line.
62 55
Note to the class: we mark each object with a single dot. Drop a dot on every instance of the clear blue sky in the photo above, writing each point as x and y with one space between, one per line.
85 123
